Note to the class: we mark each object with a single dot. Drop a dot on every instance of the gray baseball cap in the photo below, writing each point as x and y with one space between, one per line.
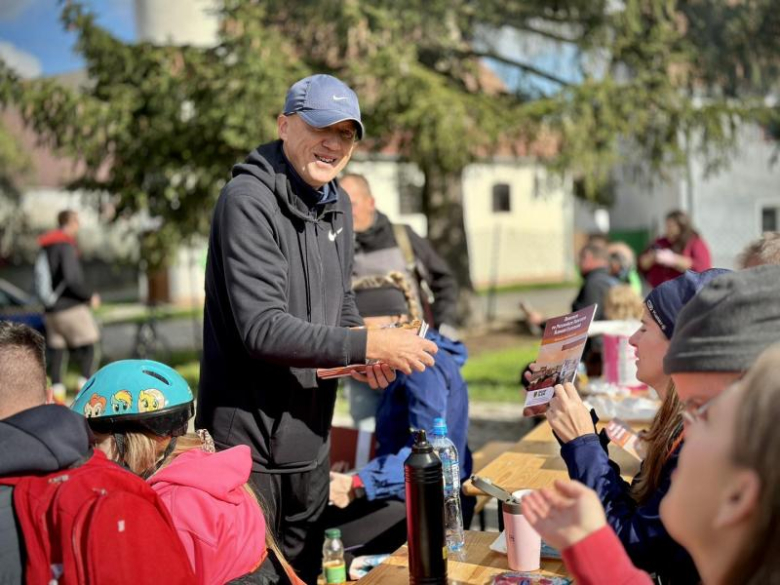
322 100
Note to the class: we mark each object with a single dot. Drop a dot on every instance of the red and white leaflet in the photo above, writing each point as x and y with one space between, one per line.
562 345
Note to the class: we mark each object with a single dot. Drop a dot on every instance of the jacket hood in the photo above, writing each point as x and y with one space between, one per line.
456 349
55 237
222 475
268 165
43 439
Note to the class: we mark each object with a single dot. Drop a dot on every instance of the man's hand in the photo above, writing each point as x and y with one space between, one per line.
94 301
400 349
341 492
378 376
567 414
564 515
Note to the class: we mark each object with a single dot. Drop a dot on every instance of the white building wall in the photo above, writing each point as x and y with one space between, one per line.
187 277
532 241
641 203
177 22
727 205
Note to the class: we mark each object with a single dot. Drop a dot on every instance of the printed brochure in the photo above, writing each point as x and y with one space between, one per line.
562 345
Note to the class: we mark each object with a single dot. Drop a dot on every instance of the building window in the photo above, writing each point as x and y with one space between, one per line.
770 219
502 201
410 189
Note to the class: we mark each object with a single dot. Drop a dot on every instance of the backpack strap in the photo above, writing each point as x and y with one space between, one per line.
401 233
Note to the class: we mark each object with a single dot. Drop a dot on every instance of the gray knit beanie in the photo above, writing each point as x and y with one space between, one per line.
728 324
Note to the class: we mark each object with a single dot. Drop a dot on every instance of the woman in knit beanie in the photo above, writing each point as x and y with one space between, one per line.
632 510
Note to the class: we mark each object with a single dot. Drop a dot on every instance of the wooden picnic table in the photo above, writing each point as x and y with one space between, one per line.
476 564
535 462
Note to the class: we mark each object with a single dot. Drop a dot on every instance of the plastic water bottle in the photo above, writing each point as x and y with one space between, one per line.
453 518
333 563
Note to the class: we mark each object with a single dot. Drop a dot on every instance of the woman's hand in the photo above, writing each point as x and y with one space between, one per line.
567 414
565 514
528 374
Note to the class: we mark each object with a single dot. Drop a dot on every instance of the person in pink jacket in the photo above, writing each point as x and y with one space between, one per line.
723 505
138 411
218 520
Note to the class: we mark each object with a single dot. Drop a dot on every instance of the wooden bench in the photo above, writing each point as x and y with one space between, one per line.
485 455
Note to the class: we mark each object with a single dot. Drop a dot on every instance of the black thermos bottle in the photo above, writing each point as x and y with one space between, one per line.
425 514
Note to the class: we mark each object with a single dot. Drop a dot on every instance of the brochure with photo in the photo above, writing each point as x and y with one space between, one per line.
559 355
341 372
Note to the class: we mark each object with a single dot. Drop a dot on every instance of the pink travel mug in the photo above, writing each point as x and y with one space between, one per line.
523 543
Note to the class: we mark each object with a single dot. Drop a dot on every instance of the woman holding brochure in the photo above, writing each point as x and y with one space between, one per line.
632 509
724 504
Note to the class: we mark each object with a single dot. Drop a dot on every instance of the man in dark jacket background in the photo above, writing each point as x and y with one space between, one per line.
379 249
279 305
70 324
368 506
382 247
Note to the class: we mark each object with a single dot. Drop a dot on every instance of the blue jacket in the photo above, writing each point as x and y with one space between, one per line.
414 401
638 526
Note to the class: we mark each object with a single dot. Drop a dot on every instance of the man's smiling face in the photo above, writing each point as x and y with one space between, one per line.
317 154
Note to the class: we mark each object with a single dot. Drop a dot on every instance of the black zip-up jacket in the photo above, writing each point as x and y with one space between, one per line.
429 266
278 306
39 440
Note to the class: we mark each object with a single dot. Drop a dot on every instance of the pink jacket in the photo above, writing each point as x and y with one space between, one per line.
220 524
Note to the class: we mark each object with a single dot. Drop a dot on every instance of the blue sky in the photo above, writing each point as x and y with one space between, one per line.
32 39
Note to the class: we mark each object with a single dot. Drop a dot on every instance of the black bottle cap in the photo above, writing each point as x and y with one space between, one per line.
421 444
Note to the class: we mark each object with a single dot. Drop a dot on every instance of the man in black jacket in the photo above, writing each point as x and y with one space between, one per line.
279 305
596 278
69 321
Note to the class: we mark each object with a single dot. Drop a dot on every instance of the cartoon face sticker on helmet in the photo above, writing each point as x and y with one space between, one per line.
151 400
121 402
95 407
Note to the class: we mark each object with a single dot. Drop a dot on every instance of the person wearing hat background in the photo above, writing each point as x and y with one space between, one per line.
721 333
632 509
368 506
279 305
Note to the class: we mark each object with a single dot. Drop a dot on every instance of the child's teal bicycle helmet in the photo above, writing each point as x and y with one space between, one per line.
136 395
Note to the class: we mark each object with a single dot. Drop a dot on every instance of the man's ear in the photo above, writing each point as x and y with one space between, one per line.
49 395
282 125
740 499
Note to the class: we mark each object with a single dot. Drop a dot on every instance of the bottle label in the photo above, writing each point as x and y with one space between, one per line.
335 573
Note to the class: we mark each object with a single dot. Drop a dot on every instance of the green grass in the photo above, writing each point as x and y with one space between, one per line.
494 376
508 288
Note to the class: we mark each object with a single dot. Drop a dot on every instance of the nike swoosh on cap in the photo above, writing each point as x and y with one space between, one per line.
338 99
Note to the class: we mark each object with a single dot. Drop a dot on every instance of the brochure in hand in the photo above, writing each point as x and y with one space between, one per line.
562 345
341 372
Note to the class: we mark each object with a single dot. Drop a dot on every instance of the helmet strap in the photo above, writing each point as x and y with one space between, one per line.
119 440
168 450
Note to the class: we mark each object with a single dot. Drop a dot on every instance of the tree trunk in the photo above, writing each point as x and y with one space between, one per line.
443 206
